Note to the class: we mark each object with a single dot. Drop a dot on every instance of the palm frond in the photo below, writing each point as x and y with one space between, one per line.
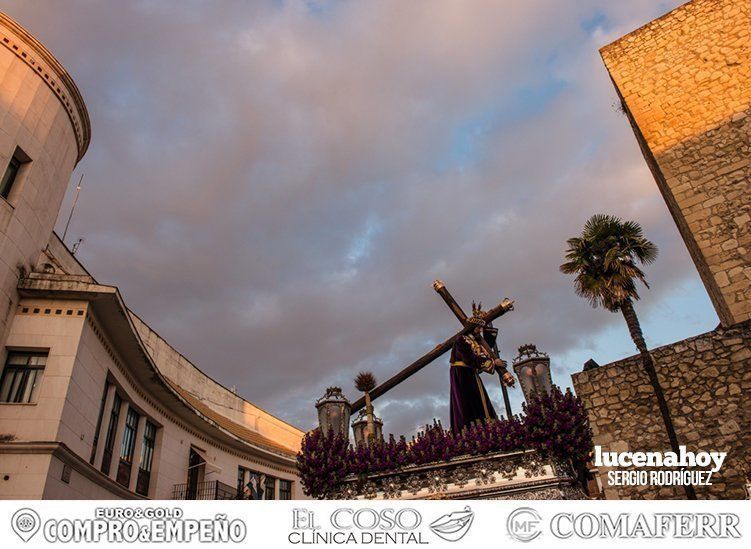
604 259
365 382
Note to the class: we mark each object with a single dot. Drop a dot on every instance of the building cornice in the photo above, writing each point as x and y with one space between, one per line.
210 379
73 460
39 59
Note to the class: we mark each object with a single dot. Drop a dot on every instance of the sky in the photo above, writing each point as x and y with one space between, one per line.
274 186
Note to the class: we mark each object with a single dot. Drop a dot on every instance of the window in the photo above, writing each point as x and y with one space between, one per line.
126 447
249 484
149 439
196 470
99 421
22 377
109 442
241 476
254 485
129 436
18 159
285 489
268 487
147 458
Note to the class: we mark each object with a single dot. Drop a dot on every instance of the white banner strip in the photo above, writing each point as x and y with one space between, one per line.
271 524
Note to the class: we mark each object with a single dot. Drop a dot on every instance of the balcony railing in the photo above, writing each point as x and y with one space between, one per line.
212 489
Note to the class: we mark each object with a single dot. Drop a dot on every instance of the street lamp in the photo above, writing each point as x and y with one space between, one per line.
333 412
532 367
365 434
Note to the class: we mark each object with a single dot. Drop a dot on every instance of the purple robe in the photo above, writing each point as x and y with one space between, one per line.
469 399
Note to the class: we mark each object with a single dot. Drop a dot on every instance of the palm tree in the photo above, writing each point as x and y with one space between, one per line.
604 259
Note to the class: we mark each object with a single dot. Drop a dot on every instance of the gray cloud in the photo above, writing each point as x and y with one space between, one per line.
274 186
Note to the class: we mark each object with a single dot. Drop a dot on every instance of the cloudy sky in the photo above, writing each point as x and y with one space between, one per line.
275 185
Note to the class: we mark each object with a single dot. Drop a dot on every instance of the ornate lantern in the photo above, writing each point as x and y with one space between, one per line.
333 412
365 434
532 367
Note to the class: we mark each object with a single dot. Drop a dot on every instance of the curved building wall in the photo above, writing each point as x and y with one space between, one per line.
93 403
44 123
189 378
84 369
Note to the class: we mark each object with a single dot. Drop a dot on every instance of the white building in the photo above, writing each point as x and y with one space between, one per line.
93 403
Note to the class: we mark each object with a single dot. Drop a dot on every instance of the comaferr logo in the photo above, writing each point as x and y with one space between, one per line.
658 525
524 524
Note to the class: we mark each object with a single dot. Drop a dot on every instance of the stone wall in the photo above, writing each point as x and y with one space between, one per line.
707 383
685 83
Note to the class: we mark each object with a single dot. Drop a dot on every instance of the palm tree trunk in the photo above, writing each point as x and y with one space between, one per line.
634 328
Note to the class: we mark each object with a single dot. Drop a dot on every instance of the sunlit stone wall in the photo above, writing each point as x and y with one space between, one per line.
685 83
685 80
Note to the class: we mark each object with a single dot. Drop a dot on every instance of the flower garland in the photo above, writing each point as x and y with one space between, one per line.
554 424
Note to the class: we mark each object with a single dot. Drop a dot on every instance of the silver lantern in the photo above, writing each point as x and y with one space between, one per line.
333 412
532 367
366 433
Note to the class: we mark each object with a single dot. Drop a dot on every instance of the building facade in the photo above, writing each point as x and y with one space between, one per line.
685 85
94 403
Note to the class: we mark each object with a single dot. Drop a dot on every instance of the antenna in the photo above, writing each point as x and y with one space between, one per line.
76 246
72 209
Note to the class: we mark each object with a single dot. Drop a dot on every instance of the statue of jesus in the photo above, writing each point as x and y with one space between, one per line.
469 399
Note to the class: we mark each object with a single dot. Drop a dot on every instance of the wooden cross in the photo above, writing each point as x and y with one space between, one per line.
504 376
488 316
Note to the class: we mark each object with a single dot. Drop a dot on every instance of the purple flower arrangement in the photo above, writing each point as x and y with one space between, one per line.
555 425
323 461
